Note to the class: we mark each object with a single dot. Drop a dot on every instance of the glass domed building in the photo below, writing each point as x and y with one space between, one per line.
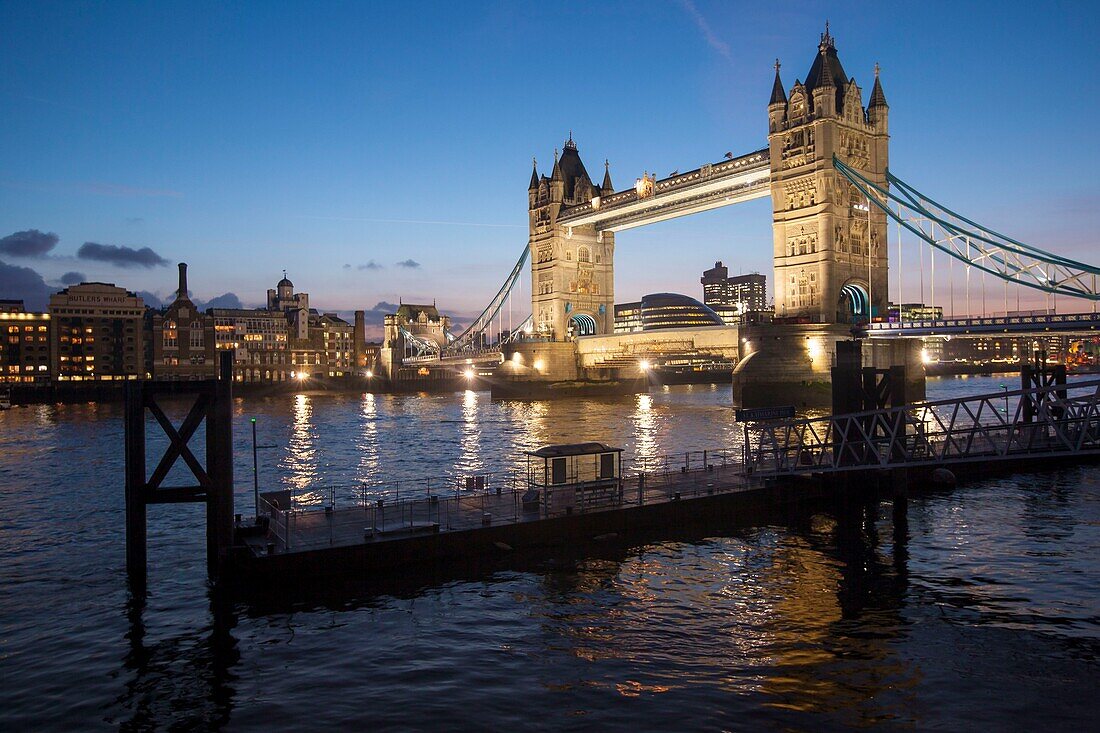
672 310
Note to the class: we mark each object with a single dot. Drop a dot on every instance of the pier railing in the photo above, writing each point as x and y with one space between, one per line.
1038 422
373 512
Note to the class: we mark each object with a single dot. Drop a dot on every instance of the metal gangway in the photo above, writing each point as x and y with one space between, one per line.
1055 421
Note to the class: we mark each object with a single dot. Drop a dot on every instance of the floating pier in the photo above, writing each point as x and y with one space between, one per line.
570 496
493 515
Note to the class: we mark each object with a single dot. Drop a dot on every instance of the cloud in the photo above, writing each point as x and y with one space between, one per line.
73 278
150 299
23 283
347 266
410 263
708 33
225 300
31 243
375 315
134 220
120 255
372 265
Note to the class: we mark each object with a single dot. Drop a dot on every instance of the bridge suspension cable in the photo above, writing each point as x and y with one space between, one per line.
973 244
470 339
417 346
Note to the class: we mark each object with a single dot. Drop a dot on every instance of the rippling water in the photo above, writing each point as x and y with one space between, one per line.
985 614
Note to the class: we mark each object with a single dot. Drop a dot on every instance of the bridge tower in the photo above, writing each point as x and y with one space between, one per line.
572 275
830 249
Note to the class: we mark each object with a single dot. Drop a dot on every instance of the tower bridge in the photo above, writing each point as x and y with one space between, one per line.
826 170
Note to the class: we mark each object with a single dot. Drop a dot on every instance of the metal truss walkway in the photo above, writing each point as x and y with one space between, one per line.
1072 323
1057 421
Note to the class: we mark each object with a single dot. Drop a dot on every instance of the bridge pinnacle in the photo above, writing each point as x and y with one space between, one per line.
878 97
826 38
779 96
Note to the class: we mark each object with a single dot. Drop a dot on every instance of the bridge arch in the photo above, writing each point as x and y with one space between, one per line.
853 303
582 324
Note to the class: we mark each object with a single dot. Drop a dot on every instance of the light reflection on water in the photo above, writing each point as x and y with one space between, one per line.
410 439
302 454
366 437
645 428
472 457
985 609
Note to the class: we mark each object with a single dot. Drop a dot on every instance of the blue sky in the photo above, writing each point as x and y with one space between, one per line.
248 138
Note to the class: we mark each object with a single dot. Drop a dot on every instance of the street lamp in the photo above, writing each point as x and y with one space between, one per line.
255 468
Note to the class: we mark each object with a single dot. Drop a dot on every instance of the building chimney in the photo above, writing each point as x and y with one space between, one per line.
359 339
182 292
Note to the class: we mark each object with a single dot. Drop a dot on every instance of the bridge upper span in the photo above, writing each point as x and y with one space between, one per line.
709 186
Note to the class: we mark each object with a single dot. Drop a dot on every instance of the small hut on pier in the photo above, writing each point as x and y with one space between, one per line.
562 479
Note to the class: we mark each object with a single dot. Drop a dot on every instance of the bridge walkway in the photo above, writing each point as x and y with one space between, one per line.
1057 421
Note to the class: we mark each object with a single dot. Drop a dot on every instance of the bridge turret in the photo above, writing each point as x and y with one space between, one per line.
572 276
557 181
777 106
607 189
826 80
878 112
533 189
830 255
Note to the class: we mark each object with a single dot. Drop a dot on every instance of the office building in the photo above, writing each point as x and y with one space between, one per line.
628 317
733 297
664 310
24 344
97 333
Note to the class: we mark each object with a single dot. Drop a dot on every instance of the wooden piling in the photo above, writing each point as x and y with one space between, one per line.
214 481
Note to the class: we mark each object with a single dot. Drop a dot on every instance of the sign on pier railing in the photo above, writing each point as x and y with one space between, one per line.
759 414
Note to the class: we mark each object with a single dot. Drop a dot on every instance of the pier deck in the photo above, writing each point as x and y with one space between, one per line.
386 521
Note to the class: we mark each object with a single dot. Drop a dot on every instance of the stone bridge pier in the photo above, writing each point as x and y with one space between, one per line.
548 369
783 364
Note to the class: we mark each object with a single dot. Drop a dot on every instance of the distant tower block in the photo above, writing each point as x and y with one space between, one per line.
830 259
572 275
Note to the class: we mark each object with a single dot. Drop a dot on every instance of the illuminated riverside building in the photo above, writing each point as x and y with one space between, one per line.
97 333
672 310
664 310
259 340
733 297
183 339
24 344
329 350
628 317
295 305
287 340
336 343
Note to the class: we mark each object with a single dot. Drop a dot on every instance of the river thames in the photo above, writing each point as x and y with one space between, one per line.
986 615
